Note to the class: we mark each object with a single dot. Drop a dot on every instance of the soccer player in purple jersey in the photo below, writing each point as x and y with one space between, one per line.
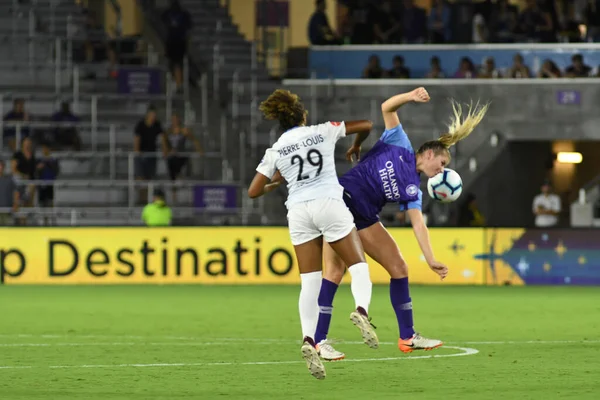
390 172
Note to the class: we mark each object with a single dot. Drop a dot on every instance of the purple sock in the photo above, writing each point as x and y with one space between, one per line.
326 296
402 304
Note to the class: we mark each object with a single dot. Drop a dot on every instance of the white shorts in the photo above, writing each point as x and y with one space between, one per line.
327 217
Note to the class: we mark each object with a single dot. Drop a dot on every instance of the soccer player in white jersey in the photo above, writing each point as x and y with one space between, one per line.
304 157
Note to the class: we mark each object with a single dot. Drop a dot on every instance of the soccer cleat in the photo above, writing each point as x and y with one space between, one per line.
313 361
328 353
418 342
367 329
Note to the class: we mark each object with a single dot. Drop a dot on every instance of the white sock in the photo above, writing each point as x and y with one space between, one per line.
361 285
308 302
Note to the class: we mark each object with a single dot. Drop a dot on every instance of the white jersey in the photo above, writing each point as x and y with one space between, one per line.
305 158
550 202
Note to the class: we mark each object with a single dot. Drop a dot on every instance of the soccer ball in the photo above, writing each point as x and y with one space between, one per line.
445 186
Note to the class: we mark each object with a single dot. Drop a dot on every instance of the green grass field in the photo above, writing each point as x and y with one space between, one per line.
199 342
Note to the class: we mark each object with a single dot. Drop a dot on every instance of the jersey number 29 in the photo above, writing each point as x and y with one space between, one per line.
309 157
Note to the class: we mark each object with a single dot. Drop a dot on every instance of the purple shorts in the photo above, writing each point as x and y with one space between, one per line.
361 219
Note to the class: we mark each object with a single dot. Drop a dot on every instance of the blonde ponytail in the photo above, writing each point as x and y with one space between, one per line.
459 127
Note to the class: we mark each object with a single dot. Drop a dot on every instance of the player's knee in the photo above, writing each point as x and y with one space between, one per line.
334 273
398 270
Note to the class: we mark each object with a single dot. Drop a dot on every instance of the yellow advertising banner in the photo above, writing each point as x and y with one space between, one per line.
206 255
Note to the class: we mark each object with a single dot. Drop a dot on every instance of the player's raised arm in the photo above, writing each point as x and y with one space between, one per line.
390 107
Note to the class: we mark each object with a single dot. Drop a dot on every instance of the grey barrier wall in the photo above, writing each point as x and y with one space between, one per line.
522 109
525 112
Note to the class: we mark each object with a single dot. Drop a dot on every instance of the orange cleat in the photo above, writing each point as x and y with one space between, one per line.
417 342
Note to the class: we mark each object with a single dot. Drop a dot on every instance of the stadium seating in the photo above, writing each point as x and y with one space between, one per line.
42 71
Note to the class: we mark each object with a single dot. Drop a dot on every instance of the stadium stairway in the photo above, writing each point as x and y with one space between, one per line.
86 180
27 39
228 71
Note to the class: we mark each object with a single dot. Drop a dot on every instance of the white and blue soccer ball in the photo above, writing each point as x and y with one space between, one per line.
445 186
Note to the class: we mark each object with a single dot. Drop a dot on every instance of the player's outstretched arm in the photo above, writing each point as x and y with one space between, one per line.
422 234
390 107
362 129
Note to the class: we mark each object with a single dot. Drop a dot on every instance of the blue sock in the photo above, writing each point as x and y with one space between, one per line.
402 304
326 296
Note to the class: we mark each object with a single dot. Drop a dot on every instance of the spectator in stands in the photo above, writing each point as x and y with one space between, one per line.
503 22
414 23
387 25
66 134
549 70
436 71
569 27
440 30
519 70
9 197
157 213
536 24
48 169
96 45
398 69
179 25
488 70
469 214
546 207
577 69
319 30
480 29
17 114
177 138
548 27
363 17
373 69
147 132
24 165
466 69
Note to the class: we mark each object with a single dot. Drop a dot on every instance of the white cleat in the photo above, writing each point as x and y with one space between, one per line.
418 342
328 353
313 361
366 329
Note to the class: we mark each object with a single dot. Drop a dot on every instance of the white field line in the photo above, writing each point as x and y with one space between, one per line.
228 342
127 340
464 351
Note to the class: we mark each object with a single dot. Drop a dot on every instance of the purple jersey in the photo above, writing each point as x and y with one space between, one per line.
386 173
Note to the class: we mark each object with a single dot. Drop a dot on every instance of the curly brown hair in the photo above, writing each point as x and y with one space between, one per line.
285 107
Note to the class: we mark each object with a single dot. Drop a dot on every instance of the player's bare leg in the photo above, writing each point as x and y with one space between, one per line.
382 248
361 287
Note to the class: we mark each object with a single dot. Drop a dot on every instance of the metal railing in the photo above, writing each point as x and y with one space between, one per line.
121 165
119 216
92 109
101 134
60 59
114 156
120 192
130 185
